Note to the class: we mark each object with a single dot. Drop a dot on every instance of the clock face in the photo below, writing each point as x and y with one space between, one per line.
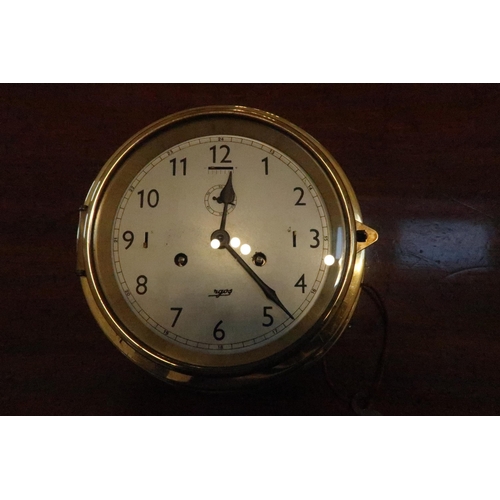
222 244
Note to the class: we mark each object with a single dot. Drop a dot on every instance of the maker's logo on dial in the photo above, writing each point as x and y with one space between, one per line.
221 293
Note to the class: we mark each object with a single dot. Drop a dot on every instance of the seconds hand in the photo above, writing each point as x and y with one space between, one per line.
227 197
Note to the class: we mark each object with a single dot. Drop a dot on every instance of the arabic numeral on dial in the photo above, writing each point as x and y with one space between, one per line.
179 310
128 237
224 159
267 315
299 202
265 161
219 333
301 284
141 287
152 198
315 238
183 162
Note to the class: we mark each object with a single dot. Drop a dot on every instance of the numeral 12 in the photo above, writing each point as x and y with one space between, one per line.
224 158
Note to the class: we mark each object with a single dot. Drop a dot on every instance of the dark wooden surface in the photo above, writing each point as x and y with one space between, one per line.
424 161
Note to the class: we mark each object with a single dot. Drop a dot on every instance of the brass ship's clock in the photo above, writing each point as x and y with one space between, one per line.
222 246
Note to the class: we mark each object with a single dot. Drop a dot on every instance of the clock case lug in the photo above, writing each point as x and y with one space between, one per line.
365 236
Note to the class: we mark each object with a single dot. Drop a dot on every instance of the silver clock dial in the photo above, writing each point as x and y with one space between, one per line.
206 298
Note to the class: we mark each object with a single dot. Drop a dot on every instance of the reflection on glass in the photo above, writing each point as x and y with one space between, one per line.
340 243
245 249
235 242
329 260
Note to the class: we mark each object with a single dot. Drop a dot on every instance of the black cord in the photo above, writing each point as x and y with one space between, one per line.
361 403
377 299
333 387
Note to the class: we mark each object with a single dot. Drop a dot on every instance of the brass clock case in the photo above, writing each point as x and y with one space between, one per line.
309 339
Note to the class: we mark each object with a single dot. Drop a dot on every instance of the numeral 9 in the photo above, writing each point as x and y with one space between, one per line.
128 236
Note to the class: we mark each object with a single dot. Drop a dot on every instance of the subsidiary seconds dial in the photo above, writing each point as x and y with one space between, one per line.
222 243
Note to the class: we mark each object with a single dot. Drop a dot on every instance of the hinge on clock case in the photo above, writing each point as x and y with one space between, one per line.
80 266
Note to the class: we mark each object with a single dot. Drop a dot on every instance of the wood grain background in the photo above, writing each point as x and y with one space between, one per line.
424 161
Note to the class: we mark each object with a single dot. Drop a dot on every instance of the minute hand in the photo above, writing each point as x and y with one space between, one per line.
268 291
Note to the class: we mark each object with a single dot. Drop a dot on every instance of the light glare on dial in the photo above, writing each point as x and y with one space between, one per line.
329 260
235 242
215 243
245 249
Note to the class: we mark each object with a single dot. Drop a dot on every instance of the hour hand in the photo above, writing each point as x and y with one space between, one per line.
227 196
